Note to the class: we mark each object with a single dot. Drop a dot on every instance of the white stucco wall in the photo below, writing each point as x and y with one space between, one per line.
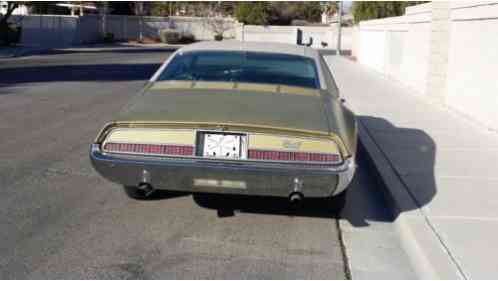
395 46
415 56
472 83
60 31
288 35
452 61
372 49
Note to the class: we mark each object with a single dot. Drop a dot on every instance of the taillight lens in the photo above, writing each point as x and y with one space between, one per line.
154 149
290 156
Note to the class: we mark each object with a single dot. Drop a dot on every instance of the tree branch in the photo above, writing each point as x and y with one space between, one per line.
10 9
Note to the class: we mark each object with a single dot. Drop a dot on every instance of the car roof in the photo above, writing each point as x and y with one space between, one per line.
234 45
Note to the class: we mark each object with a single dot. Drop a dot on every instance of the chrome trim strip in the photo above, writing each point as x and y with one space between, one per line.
346 177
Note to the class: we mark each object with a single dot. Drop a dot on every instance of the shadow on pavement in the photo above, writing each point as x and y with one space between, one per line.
367 198
113 49
132 192
410 151
229 205
86 72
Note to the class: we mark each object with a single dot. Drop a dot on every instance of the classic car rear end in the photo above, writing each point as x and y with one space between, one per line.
223 121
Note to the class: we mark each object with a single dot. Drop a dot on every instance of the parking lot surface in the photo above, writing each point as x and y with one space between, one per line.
59 219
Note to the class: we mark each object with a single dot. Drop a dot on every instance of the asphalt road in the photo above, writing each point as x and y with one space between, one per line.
59 219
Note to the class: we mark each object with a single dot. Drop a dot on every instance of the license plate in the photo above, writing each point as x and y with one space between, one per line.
222 145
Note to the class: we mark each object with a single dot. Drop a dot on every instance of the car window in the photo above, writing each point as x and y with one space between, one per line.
248 67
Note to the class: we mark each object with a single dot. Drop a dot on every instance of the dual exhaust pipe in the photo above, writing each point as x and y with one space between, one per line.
295 198
145 189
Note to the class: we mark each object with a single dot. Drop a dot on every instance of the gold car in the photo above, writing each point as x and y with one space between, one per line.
234 117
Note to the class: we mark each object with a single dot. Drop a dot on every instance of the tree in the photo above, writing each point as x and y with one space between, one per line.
121 8
162 9
257 13
376 10
11 6
283 13
219 25
6 31
278 13
330 7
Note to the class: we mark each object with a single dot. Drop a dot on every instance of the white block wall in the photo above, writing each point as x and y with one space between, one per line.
395 46
288 35
472 79
452 60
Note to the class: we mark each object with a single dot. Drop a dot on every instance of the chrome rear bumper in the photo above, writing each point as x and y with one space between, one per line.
195 175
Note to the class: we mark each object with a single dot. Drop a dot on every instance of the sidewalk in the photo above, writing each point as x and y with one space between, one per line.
439 169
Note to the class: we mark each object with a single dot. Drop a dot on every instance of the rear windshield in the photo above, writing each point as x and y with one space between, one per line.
249 67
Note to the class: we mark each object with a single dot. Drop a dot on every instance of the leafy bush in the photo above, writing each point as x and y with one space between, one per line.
283 13
376 9
257 13
108 37
218 37
169 36
10 34
187 38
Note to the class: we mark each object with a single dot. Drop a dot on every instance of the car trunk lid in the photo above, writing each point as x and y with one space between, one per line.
229 103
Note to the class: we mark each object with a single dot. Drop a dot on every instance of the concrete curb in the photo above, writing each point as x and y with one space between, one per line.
429 258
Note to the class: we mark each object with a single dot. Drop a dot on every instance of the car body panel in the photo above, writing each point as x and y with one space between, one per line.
275 117
263 108
196 175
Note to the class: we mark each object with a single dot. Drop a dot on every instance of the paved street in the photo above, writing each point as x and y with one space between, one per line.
59 219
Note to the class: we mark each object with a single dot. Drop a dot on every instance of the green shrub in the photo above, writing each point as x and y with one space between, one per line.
257 13
380 9
170 36
108 37
10 34
218 37
187 38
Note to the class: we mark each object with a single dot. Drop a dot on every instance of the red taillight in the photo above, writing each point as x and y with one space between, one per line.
159 149
325 158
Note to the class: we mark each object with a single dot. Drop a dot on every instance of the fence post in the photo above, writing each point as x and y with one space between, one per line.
339 23
243 32
440 33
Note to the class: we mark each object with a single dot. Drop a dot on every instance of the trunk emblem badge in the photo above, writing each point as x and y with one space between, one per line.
291 145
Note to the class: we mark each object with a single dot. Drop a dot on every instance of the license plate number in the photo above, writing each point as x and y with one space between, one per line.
221 145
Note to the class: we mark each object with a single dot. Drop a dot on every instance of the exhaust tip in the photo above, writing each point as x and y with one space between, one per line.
145 189
295 198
